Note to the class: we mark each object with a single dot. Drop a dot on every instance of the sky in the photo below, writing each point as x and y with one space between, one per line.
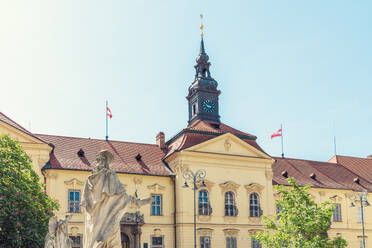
304 64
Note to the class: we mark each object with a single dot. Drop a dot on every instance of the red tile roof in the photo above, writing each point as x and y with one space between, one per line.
64 155
7 120
221 128
327 175
360 166
201 131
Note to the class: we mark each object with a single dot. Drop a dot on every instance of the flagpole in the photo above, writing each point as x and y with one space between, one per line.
281 138
106 121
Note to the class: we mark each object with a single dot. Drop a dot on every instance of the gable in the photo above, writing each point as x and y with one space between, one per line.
18 134
228 144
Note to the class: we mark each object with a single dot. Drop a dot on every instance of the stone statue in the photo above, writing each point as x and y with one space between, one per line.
57 236
105 201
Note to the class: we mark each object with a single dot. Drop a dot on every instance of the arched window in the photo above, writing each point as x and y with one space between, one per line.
230 208
204 207
254 205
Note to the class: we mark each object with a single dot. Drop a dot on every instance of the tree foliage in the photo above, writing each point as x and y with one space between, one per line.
25 208
300 222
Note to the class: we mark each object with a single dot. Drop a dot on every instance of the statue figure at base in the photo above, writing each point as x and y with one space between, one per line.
57 236
105 201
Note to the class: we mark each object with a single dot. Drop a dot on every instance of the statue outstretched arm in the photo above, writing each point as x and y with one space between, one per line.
138 202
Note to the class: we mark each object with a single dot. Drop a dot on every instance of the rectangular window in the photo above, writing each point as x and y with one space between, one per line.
230 242
205 242
156 205
337 213
76 241
194 108
74 201
255 243
359 213
157 242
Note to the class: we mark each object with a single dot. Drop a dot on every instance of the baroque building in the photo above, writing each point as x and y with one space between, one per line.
230 201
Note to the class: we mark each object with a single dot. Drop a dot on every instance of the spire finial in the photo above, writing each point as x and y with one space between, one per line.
201 26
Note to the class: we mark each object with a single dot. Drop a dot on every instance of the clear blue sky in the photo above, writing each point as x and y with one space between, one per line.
306 64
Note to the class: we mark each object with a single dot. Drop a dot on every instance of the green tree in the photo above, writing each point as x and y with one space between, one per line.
25 208
300 222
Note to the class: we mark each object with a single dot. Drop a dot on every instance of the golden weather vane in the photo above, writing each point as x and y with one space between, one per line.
201 25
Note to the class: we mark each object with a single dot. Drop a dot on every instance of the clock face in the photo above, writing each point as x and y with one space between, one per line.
208 106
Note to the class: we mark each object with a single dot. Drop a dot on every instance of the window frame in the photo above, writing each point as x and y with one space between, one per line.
254 205
231 242
255 243
74 245
337 213
75 203
204 207
230 204
203 244
156 246
160 206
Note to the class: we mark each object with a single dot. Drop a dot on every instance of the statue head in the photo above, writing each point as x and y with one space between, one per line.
53 223
104 158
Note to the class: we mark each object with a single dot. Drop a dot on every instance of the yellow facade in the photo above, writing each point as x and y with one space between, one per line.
231 165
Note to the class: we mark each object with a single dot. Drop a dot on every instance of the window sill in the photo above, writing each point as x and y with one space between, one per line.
255 219
204 217
230 219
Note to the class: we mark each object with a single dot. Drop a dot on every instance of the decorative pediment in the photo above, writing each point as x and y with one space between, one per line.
335 198
228 144
254 187
137 180
208 184
231 232
321 193
205 231
74 182
130 217
18 134
229 186
74 230
156 187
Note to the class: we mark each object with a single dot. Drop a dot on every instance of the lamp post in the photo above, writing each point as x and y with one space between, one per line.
194 178
360 198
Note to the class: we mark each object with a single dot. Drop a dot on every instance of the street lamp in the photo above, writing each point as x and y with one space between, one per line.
360 197
194 178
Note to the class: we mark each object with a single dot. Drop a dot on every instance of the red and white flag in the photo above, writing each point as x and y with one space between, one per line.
109 112
277 133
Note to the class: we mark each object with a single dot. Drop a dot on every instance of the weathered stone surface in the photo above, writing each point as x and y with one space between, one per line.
57 236
105 201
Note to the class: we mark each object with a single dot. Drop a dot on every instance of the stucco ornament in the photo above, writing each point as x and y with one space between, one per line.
57 236
105 201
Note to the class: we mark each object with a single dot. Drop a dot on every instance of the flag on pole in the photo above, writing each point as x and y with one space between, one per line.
277 133
109 112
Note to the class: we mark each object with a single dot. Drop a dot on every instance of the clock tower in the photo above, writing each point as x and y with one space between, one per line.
203 92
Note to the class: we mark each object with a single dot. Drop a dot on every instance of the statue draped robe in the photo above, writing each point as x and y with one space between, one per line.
105 201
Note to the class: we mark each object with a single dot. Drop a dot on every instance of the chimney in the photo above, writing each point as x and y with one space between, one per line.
160 140
369 157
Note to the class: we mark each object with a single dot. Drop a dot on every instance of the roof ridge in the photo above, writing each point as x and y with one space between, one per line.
14 122
19 127
350 157
64 136
325 162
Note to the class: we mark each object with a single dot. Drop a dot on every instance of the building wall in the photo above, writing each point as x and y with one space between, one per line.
241 169
59 182
35 148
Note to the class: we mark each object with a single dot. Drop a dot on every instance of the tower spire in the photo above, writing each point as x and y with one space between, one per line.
203 92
